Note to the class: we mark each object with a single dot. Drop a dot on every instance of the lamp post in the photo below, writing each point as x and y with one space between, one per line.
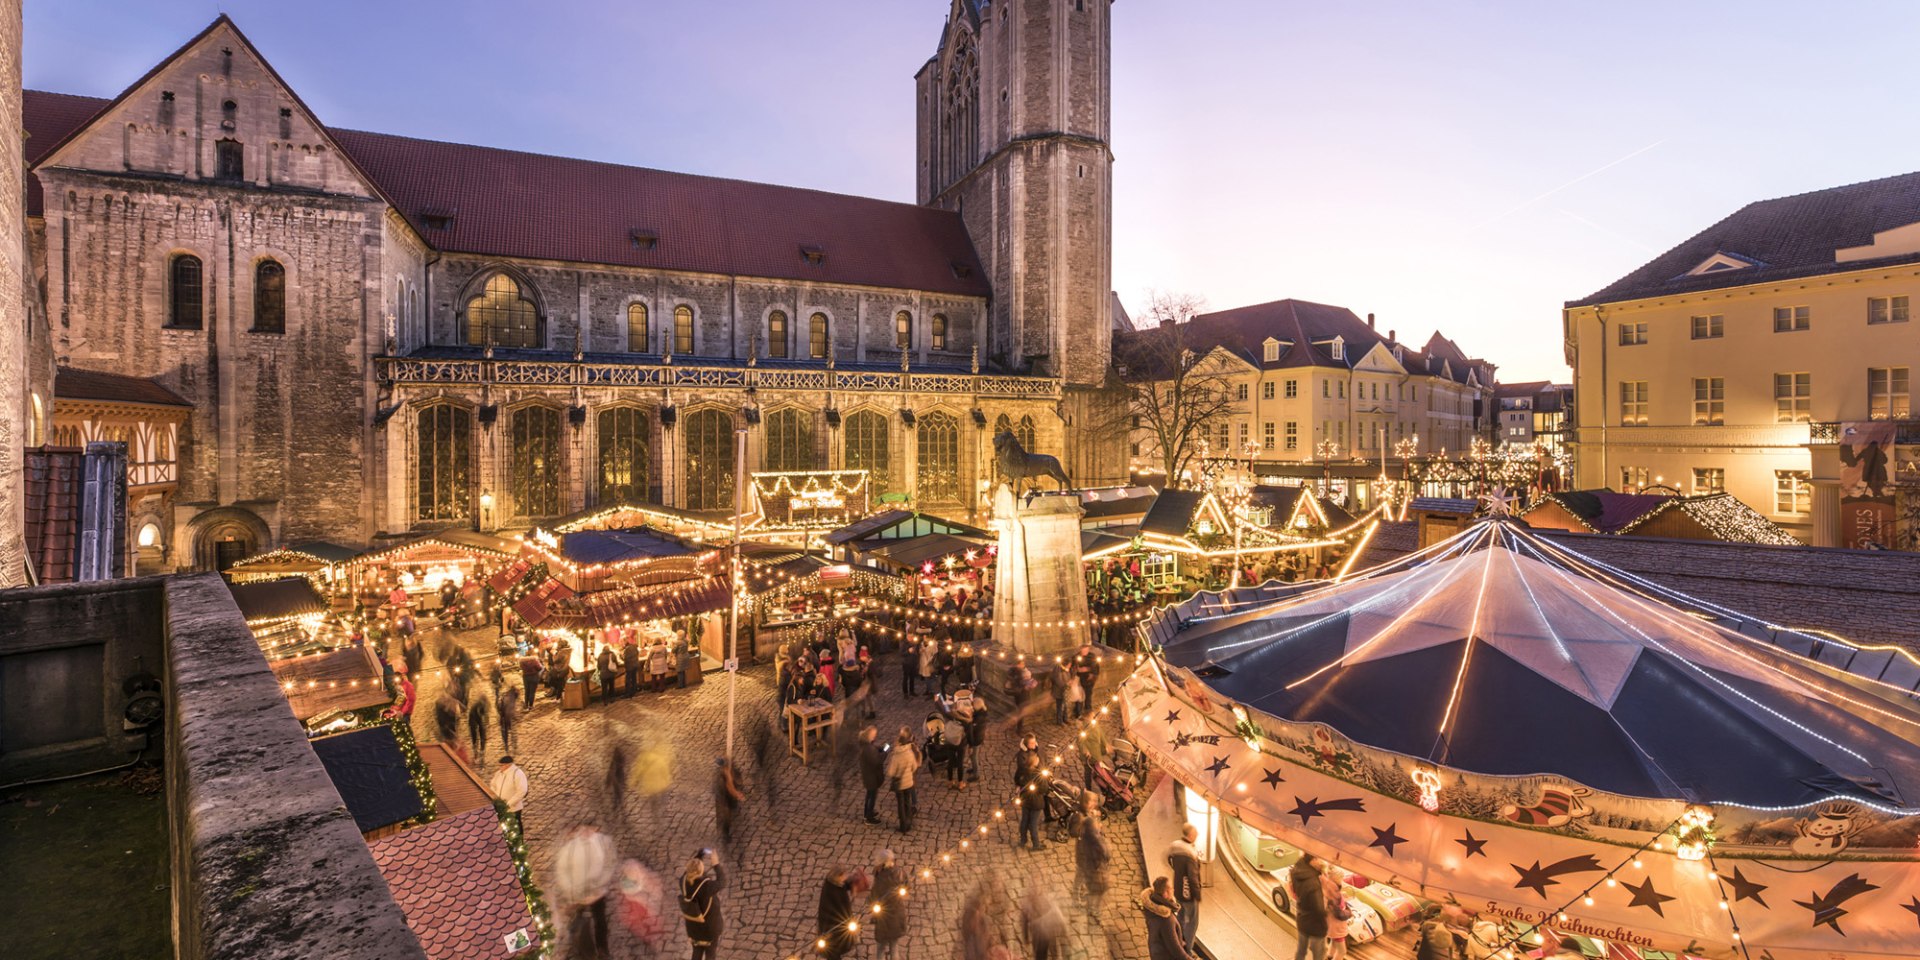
732 662
1326 450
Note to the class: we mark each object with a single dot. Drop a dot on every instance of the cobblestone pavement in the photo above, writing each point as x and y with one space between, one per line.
798 821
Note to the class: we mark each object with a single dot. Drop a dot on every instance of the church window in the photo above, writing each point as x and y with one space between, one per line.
939 331
866 437
903 330
625 454
709 437
817 336
1024 433
683 329
443 462
269 297
939 470
228 160
777 334
166 108
534 477
502 316
790 441
636 327
286 123
184 292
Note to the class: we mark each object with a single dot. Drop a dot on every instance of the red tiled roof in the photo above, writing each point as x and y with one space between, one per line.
53 511
506 203
72 384
49 118
454 879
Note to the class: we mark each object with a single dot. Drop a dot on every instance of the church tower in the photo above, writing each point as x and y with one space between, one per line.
1013 127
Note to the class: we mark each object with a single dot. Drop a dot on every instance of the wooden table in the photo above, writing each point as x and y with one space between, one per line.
805 722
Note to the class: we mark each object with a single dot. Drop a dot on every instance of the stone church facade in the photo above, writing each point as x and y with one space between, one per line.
380 335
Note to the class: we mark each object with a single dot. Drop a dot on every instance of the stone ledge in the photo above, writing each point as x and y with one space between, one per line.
267 863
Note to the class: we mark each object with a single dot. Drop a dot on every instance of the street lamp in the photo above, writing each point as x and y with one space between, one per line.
1326 450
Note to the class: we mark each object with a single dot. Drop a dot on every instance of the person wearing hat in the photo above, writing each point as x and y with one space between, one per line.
890 895
726 796
509 786
700 887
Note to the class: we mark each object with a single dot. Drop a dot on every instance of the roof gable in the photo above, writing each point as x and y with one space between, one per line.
1380 359
1722 260
217 87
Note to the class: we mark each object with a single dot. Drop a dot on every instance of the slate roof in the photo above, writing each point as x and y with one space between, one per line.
1306 330
1786 238
1608 512
588 547
275 599
508 203
1172 513
72 384
454 879
367 768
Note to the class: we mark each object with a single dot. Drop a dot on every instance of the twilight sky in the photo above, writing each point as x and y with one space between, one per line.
1465 166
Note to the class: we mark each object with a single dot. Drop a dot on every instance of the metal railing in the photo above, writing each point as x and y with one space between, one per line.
1828 432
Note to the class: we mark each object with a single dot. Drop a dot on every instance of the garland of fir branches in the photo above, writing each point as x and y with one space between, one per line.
417 771
536 901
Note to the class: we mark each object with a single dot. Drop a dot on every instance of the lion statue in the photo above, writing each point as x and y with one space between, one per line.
1019 466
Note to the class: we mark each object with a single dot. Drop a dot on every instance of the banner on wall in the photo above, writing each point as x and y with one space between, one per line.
1866 474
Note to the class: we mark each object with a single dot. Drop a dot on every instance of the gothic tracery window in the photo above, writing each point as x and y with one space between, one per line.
502 316
790 441
939 468
866 448
1024 433
443 462
269 297
625 455
636 327
534 474
709 460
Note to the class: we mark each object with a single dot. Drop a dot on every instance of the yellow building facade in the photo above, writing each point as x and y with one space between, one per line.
1728 363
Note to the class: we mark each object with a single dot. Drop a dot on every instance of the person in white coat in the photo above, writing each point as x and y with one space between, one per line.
509 785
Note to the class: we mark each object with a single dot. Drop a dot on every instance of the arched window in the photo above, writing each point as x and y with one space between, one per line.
269 297
637 340
939 331
184 292
709 438
777 334
502 316
866 437
625 455
790 441
903 330
939 468
534 475
443 462
817 336
37 423
683 329
1024 433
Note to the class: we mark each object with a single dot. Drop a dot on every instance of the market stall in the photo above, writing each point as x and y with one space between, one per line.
420 569
1565 749
316 560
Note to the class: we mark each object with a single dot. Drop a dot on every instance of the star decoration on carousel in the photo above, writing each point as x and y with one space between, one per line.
1475 845
1173 716
1744 889
1273 779
1644 895
1912 907
1218 766
1386 839
1826 906
1308 809
1539 878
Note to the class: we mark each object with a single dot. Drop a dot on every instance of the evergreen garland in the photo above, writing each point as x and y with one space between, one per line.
417 771
536 901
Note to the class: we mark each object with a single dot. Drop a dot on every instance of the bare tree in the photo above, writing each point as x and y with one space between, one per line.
1177 386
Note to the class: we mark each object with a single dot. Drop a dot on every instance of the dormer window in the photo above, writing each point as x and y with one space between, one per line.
1721 261
643 238
1338 349
1270 350
813 255
437 218
960 270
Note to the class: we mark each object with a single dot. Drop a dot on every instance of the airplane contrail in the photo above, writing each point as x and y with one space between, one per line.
1603 168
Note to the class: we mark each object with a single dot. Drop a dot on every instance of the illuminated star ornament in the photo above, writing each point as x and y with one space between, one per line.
1499 503
1273 779
1744 889
1386 839
1644 895
1826 906
1539 878
1473 844
1218 766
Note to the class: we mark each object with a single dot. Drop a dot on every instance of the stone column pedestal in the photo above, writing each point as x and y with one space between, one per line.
1039 586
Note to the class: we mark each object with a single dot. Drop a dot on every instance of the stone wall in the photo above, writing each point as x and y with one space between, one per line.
64 652
15 396
267 863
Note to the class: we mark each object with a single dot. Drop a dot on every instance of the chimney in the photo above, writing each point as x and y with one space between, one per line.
1369 321
1393 336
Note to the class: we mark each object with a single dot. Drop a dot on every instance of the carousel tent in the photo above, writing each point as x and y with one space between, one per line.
1497 656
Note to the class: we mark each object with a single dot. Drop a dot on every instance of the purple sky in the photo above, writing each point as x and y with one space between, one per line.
1465 166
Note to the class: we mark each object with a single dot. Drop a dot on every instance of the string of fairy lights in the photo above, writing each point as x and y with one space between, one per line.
936 865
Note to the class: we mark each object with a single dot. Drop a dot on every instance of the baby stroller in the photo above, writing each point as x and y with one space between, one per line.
1063 803
1114 786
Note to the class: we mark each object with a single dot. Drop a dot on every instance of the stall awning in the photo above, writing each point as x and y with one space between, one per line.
277 599
635 604
591 547
454 543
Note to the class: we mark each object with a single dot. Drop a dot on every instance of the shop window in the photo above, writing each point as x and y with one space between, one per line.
626 455
1792 494
443 462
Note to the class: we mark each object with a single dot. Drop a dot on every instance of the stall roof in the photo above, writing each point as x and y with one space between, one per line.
914 552
366 766
589 547
1095 544
307 554
1110 502
623 515
456 539
455 880
784 565
652 602
1435 657
344 679
1172 513
900 525
277 599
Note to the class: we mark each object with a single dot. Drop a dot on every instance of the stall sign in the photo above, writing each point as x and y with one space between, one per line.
836 574
816 500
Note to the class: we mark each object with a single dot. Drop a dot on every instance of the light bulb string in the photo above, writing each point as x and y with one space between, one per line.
1632 859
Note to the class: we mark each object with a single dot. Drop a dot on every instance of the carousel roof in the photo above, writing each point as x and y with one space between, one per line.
1502 653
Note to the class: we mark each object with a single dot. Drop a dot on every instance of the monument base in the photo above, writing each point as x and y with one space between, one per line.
1040 589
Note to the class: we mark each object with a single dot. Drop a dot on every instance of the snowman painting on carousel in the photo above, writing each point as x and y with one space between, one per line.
1828 831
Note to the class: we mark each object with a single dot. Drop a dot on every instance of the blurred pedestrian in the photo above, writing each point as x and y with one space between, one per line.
700 886
1185 863
1091 854
506 706
835 922
1338 913
583 870
873 769
900 768
630 661
1029 790
929 657
980 935
477 723
607 664
726 796
910 664
1310 908
509 786
1060 684
890 895
1042 922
